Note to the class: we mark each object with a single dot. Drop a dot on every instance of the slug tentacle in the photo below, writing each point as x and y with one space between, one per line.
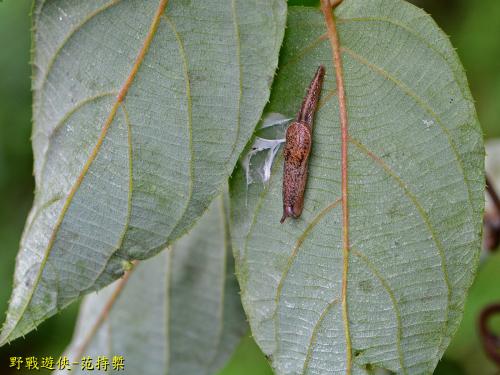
297 149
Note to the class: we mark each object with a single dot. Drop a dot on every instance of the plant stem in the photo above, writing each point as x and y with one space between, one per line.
105 311
491 342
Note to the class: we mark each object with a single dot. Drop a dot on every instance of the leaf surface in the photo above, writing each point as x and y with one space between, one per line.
141 109
415 200
177 313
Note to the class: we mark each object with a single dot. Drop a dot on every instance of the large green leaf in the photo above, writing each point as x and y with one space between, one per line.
178 313
141 109
415 197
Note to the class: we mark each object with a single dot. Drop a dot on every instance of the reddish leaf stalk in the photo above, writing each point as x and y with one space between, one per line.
490 340
103 315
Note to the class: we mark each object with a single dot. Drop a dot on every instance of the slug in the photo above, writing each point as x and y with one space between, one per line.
297 149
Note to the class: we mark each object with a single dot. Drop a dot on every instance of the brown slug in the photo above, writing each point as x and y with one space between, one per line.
297 149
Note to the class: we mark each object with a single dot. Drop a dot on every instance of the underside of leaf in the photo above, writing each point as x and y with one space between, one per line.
141 109
178 313
415 201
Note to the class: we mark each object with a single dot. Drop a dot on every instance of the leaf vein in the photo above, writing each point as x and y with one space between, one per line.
422 104
412 198
70 35
62 122
182 53
312 340
395 308
226 249
240 80
293 257
129 200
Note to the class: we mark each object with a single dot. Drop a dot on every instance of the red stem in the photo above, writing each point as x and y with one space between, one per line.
491 342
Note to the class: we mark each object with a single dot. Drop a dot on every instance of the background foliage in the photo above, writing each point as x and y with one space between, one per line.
471 26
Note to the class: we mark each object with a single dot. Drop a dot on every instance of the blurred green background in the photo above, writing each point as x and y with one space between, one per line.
474 29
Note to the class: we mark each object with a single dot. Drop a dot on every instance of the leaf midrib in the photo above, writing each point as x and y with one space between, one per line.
327 8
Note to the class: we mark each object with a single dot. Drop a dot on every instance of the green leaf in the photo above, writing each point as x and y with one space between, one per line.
141 109
415 200
177 313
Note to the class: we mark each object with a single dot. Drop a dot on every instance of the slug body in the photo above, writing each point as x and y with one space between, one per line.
297 148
